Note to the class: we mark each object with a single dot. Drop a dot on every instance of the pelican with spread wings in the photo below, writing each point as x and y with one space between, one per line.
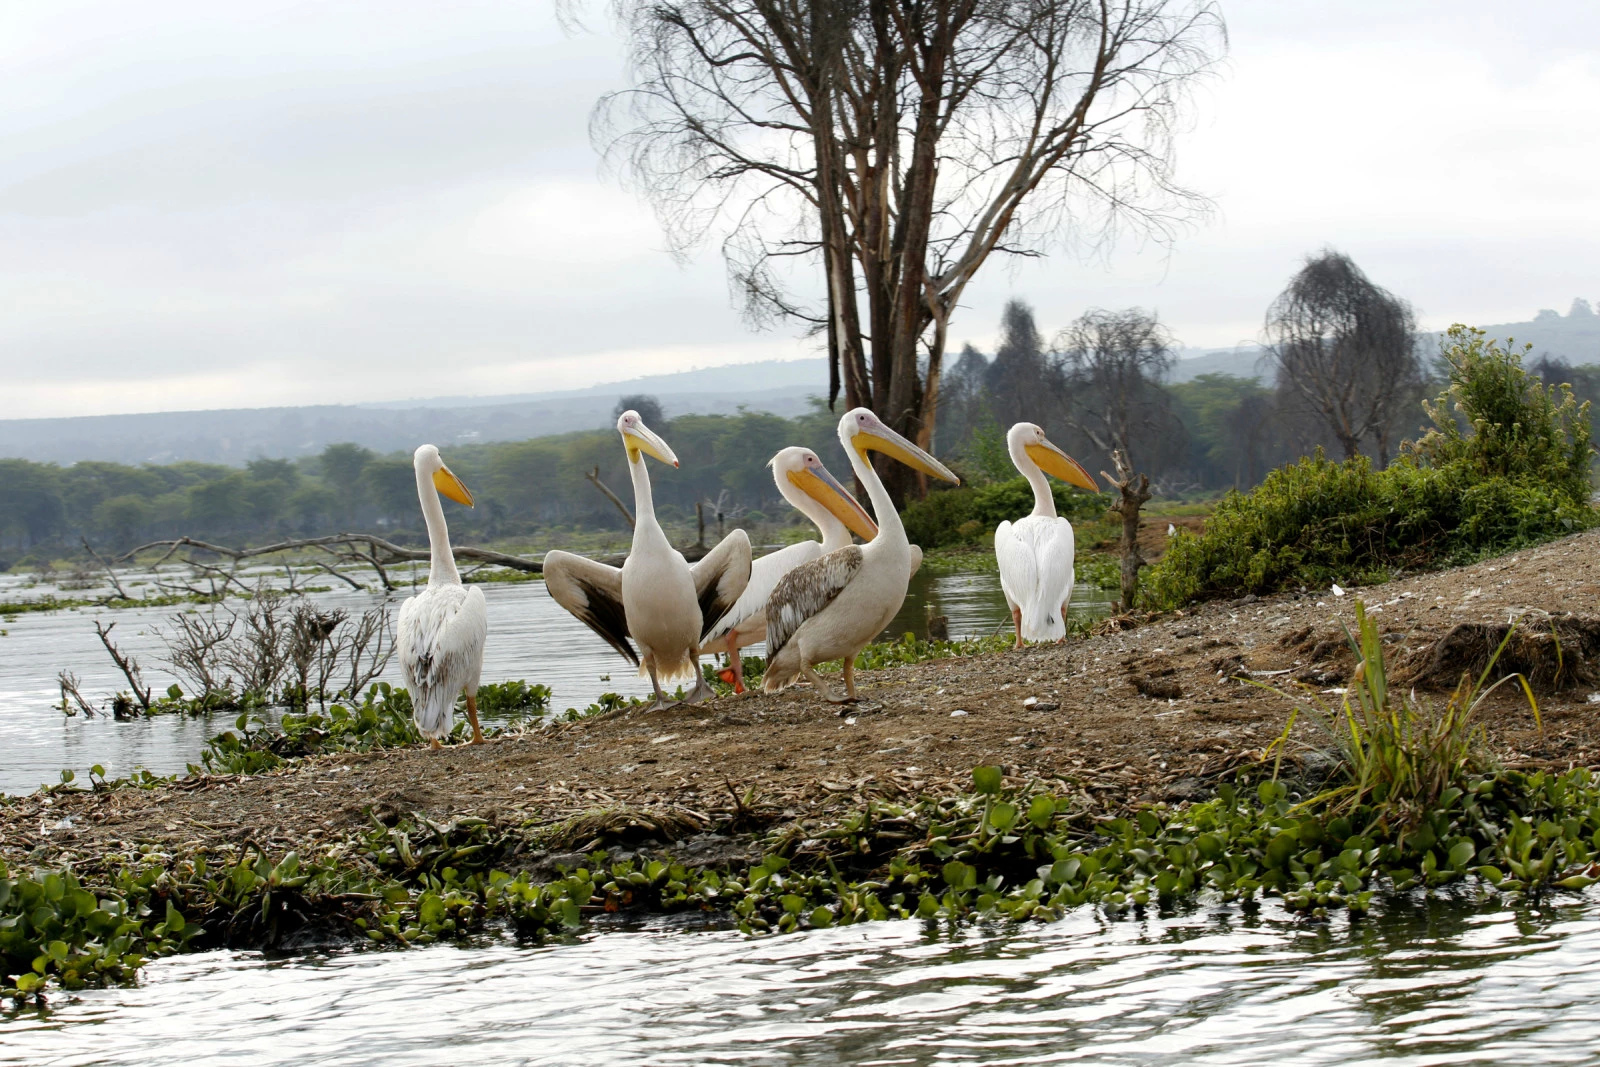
655 598
814 492
832 607
442 630
1036 552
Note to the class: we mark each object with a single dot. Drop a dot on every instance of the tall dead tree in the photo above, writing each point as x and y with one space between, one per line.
897 145
1346 352
1112 364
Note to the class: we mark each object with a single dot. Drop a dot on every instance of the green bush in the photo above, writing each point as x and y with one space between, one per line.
1519 477
969 514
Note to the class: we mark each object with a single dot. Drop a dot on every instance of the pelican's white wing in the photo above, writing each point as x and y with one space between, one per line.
805 591
439 640
764 576
592 592
720 578
1035 556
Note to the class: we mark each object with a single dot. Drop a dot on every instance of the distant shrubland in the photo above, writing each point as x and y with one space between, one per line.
1505 465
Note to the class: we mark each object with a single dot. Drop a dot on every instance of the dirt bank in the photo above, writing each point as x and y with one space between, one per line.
1154 711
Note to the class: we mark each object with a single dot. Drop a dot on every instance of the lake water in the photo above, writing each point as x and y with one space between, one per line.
530 638
1428 983
1420 982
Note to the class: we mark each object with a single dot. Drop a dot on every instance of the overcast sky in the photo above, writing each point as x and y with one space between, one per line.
256 203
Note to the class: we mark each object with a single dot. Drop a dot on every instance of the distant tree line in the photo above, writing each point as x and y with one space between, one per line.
1347 376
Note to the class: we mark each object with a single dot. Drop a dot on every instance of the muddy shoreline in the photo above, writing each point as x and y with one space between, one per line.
1144 711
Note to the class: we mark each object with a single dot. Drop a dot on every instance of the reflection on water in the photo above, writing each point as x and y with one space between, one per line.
1438 982
530 637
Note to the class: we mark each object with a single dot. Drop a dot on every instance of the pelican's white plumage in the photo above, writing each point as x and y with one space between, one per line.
655 598
1036 552
832 607
812 490
442 629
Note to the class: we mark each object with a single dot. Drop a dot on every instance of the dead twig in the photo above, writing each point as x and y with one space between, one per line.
126 664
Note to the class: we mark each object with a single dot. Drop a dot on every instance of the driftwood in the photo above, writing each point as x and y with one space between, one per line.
369 549
1135 490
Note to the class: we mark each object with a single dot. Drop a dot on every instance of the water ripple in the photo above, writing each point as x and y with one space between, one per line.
1441 983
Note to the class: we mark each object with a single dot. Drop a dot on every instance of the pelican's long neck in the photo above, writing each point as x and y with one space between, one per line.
442 561
835 534
1044 502
889 528
644 509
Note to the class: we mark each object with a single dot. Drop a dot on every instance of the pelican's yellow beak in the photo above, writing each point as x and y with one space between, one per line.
449 485
1058 464
641 438
879 438
820 485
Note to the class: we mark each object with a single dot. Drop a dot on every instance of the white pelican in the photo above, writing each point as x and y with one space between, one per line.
656 597
1035 552
815 493
832 607
443 628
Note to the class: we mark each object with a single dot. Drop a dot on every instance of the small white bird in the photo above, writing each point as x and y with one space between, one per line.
443 628
813 491
655 597
1036 552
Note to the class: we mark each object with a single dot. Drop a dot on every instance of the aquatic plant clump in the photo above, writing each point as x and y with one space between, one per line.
383 719
1028 852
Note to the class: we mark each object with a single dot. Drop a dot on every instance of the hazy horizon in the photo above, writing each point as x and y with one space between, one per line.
271 205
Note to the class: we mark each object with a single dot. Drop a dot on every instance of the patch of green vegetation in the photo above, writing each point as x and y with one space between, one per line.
968 514
383 719
1025 853
1505 467
489 575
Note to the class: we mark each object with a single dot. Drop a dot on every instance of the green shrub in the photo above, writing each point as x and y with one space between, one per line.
1518 478
1518 427
970 513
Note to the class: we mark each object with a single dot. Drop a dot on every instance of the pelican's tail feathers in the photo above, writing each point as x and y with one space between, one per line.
434 709
1042 621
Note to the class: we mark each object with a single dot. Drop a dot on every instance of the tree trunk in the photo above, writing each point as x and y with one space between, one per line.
1134 490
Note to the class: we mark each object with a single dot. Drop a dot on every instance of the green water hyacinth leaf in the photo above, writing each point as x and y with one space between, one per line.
958 875
1042 811
1461 854
987 780
1001 817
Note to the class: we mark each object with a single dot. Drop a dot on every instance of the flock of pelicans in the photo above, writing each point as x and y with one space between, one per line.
811 602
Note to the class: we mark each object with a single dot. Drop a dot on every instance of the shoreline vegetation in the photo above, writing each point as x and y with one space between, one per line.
337 828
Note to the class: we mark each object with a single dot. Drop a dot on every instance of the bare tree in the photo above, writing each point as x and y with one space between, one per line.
1111 366
898 146
1345 351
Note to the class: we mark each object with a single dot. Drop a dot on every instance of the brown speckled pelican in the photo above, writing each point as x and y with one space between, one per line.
814 492
832 607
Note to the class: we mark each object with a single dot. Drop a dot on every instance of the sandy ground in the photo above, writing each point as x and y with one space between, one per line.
1146 710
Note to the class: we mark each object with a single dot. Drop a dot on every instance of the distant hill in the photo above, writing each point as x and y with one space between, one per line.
1242 362
239 435
1573 337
